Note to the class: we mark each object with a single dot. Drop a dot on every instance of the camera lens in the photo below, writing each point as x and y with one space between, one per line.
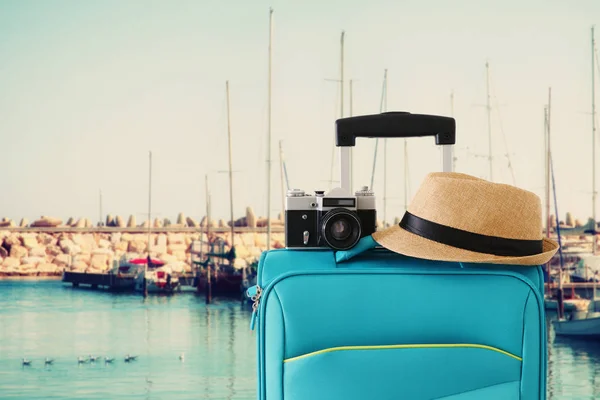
340 229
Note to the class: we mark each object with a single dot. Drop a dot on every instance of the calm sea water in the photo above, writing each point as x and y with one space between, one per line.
48 319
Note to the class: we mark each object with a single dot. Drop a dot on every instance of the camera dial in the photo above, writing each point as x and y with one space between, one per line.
295 193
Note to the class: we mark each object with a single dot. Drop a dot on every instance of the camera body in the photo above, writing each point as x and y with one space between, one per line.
334 220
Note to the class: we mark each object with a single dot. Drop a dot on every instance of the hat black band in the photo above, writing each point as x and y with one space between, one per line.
468 240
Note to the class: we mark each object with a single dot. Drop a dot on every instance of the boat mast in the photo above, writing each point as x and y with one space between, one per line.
230 169
269 132
385 161
383 95
100 224
452 115
351 149
281 173
548 155
343 150
594 194
145 284
489 118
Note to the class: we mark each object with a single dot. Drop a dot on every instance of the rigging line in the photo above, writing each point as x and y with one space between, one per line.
510 167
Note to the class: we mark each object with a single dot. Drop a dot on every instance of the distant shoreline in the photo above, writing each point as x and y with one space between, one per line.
30 278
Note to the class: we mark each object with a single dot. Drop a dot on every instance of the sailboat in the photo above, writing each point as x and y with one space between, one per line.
155 276
588 325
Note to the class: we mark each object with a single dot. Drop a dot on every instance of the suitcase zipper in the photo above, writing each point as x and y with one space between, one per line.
254 292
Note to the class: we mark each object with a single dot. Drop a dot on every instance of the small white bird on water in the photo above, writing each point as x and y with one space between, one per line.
48 361
81 360
129 358
26 362
182 357
108 359
93 358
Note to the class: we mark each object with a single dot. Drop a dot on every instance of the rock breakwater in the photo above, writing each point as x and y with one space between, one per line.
25 253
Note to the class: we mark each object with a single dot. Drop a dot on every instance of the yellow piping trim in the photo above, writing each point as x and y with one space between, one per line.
404 346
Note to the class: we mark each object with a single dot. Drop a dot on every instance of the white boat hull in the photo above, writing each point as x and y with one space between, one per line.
582 328
569 305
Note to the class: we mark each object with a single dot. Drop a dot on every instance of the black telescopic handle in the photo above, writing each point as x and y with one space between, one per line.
395 125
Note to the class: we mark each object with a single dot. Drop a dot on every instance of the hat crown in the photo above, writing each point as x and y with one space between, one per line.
475 205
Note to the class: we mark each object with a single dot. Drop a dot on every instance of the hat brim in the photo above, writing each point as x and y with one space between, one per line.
403 242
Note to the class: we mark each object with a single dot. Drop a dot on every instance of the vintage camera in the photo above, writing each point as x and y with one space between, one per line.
336 220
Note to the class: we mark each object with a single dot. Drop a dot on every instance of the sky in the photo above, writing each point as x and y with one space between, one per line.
88 89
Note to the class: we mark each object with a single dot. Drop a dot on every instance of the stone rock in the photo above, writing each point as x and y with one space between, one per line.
145 224
161 239
121 246
62 260
158 223
222 223
100 261
3 252
110 220
191 222
29 240
82 257
166 222
33 260
179 255
172 248
131 222
137 246
78 266
47 222
250 217
175 238
37 252
159 248
115 238
103 244
120 222
46 239
17 251
70 222
47 268
103 251
12 240
11 262
181 219
127 237
260 240
7 223
24 222
89 223
80 223
167 258
569 219
89 242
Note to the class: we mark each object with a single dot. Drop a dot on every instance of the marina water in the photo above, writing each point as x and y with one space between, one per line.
40 319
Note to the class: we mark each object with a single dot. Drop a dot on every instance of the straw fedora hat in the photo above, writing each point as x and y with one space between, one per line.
458 217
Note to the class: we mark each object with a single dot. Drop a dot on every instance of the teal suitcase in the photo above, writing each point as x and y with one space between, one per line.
381 325
385 326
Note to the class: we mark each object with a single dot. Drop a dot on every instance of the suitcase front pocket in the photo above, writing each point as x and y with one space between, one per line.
412 371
